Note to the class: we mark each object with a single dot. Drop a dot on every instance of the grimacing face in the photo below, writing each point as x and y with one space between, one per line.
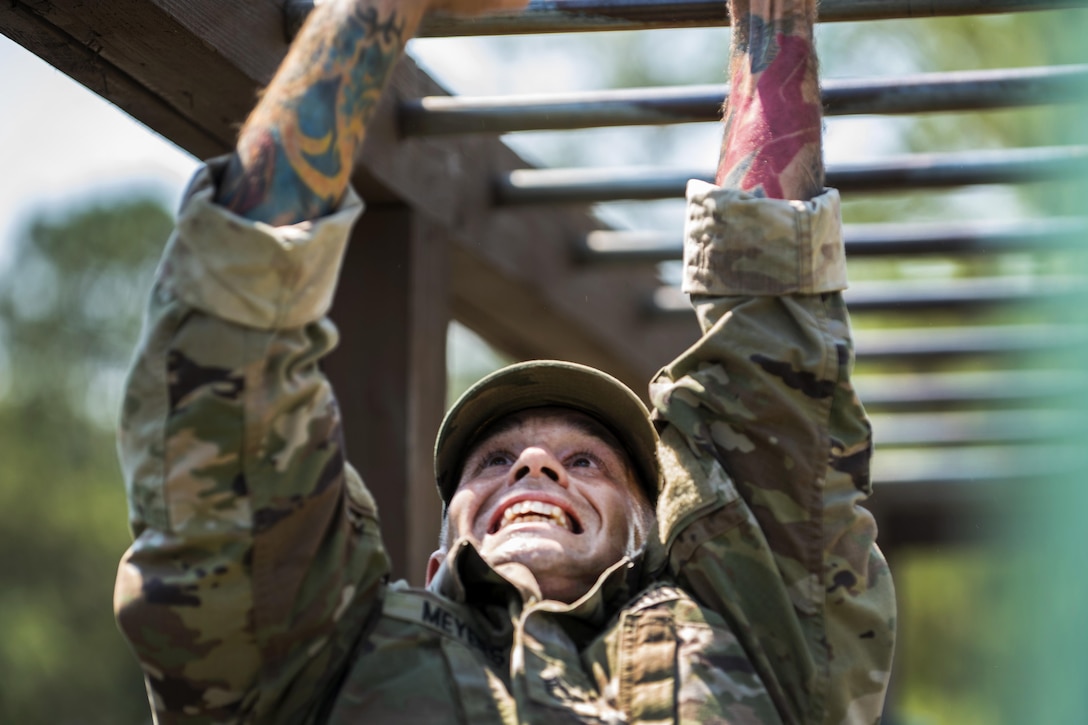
549 490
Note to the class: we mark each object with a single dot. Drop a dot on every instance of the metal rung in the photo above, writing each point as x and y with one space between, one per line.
972 428
863 240
1035 235
950 296
914 171
896 393
938 296
571 16
939 475
650 106
938 343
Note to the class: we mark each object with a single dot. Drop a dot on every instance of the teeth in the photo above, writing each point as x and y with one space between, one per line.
525 511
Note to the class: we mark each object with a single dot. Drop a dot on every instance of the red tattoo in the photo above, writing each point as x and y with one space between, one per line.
770 126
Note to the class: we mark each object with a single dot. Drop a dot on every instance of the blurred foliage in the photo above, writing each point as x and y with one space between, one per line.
70 304
957 646
1047 683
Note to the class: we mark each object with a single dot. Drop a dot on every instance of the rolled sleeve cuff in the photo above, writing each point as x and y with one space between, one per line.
738 244
251 273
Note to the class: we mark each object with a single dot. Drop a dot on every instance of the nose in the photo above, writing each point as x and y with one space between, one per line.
537 462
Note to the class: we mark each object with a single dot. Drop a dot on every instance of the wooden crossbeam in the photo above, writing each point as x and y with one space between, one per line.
185 71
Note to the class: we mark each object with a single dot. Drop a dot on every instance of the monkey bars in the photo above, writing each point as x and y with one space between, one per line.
458 227
948 297
863 240
576 16
913 171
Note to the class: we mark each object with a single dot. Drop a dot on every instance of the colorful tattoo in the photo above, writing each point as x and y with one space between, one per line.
771 145
296 150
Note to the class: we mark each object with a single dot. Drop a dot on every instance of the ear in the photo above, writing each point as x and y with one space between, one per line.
433 563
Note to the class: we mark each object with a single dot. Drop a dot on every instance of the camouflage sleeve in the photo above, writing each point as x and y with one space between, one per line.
766 451
257 555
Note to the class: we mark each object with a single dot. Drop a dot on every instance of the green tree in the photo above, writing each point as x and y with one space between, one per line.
70 305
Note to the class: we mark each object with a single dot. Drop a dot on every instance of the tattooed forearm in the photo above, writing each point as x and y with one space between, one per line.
295 152
771 145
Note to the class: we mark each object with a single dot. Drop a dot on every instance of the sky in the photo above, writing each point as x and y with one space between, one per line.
61 143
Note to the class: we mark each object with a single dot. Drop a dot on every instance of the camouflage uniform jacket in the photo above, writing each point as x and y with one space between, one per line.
256 588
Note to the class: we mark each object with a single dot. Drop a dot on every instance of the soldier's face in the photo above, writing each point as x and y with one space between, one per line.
551 491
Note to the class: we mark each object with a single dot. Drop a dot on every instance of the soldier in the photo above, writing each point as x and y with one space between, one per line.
708 562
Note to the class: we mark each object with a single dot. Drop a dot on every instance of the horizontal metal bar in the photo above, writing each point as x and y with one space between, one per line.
973 428
959 91
567 16
917 171
989 341
914 171
937 475
950 238
958 495
436 115
922 296
570 16
896 393
863 240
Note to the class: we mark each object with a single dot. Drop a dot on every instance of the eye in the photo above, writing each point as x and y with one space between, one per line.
496 458
583 460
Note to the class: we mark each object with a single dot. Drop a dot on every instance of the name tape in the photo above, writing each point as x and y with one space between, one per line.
444 619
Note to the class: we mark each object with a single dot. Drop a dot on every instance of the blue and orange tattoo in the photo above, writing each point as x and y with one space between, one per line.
296 151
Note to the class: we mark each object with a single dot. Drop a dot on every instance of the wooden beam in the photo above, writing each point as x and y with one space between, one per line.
516 278
183 68
154 59
392 308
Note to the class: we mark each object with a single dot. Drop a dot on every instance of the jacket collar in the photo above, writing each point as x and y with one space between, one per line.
466 578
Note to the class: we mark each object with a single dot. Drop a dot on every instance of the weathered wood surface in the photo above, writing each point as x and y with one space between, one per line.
392 308
516 278
190 69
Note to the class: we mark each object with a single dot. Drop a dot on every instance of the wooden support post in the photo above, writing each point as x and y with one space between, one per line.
392 308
